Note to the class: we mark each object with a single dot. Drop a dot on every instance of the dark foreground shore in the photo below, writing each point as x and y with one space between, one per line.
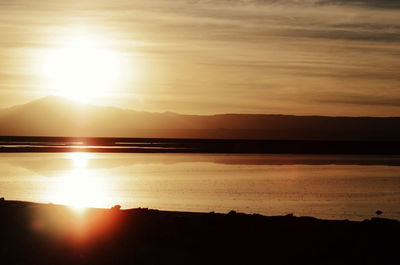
51 234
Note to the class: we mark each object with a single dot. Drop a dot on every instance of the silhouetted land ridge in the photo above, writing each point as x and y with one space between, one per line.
165 145
50 234
55 116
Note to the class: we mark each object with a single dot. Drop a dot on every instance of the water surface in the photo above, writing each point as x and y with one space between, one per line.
334 187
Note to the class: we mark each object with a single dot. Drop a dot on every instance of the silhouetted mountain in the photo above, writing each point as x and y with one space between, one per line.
56 116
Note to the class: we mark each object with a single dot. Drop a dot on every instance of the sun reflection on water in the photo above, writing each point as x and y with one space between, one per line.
81 187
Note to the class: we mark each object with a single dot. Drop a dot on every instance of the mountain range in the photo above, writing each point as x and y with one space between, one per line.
57 116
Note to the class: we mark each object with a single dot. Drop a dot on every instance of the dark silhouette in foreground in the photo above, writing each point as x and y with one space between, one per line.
51 234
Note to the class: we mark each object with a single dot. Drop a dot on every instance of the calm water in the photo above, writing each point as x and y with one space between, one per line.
339 187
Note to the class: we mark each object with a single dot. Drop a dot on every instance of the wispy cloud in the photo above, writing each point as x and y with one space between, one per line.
284 56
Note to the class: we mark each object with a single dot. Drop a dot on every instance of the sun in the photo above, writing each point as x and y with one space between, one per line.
81 69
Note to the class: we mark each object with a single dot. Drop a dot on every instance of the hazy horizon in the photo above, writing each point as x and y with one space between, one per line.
57 116
94 104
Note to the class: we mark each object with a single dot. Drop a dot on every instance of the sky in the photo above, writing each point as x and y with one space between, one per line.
311 57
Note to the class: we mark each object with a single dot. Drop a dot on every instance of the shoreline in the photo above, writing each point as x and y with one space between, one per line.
35 233
9 144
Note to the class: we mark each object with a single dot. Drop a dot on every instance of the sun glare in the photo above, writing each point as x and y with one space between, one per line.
80 187
81 69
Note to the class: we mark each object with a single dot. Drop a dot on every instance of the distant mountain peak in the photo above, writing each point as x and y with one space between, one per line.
53 99
60 116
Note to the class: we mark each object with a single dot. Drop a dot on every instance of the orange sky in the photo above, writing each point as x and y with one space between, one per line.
325 57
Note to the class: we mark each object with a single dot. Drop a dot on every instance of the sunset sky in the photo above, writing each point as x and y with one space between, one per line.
324 57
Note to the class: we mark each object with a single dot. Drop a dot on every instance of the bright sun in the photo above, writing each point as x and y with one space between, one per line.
81 69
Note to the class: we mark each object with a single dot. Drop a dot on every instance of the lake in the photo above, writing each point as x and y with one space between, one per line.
323 186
